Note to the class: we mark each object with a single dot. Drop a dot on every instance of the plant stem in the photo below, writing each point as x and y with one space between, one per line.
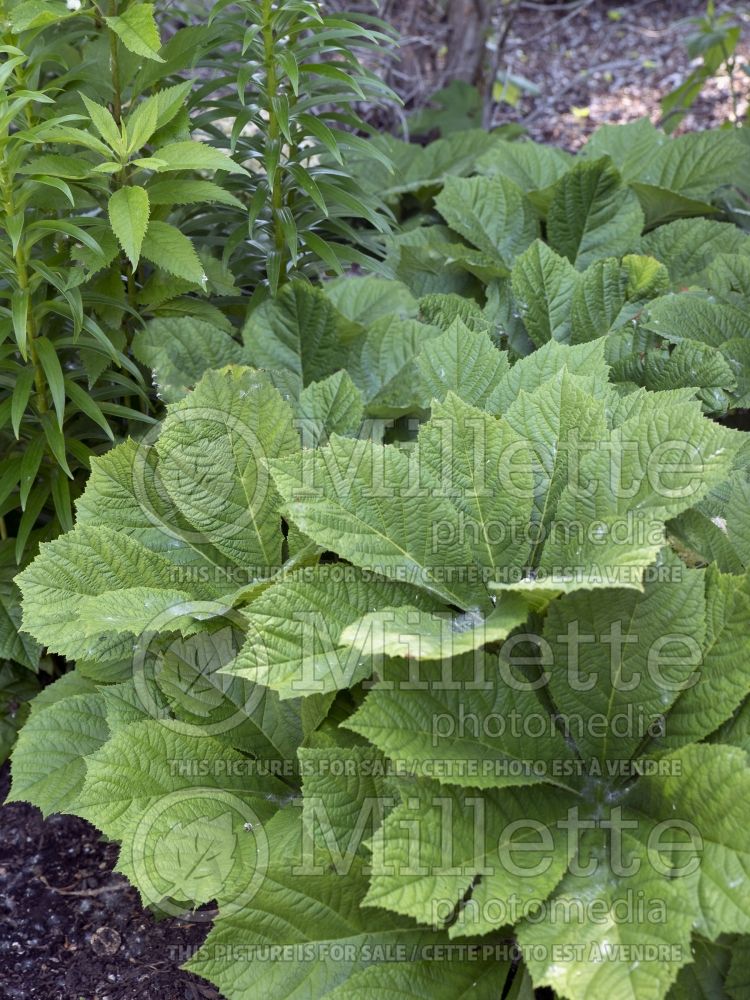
22 278
114 59
274 133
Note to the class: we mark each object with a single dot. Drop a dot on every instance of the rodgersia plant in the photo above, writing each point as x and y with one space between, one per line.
397 707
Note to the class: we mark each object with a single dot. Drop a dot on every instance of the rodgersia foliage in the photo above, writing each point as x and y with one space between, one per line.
467 685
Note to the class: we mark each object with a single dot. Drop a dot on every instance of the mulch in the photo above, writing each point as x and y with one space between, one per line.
71 929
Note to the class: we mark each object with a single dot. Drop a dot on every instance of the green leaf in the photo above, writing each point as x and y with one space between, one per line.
137 31
53 373
301 331
530 165
175 192
687 246
192 155
543 286
363 300
620 662
49 762
418 873
180 350
213 450
293 629
592 214
105 124
490 213
354 498
169 249
721 681
461 724
382 364
302 902
129 212
461 361
333 406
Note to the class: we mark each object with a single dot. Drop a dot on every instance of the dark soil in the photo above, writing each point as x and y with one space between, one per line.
73 930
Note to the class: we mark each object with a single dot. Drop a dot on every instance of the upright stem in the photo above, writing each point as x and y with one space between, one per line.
114 59
22 277
274 132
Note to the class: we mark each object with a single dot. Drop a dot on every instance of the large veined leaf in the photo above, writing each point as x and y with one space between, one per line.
212 453
14 644
382 364
480 499
695 165
363 300
592 214
185 521
64 733
533 167
293 629
142 797
180 350
461 361
629 146
332 406
687 246
491 213
543 286
721 680
632 667
443 844
462 723
304 903
300 330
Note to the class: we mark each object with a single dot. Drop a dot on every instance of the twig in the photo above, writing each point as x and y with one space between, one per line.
84 892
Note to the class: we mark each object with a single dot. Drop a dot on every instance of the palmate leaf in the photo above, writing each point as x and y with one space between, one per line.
344 947
382 364
530 165
142 796
428 516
